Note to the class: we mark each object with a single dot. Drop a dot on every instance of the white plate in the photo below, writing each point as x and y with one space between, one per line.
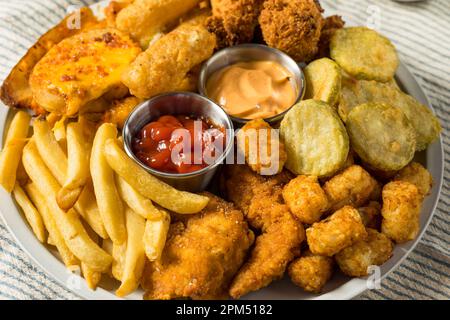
340 287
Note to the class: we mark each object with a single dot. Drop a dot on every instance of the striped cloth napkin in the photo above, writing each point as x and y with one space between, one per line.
419 30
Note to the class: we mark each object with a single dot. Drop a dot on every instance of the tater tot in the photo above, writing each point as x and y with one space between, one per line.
356 259
417 175
311 272
340 230
305 198
402 202
354 187
371 215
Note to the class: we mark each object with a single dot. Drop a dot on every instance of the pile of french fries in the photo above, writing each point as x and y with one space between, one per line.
82 194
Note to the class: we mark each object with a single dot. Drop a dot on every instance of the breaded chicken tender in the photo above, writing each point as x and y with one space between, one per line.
355 260
144 19
371 215
166 64
311 272
402 203
255 141
234 21
354 186
417 175
261 201
306 199
292 26
201 256
339 231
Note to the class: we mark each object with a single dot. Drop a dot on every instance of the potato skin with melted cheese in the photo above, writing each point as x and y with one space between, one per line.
81 69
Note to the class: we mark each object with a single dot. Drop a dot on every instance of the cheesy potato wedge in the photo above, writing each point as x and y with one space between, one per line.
83 68
16 91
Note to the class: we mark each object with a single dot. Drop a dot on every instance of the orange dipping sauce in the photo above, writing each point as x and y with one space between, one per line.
252 90
161 144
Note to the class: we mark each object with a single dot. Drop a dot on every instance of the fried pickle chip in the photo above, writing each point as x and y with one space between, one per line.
356 92
316 141
323 81
382 136
364 54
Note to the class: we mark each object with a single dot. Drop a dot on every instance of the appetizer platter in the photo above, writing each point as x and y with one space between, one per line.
251 149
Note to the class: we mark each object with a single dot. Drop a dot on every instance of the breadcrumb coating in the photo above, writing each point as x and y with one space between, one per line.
292 26
402 202
306 199
340 230
355 260
311 272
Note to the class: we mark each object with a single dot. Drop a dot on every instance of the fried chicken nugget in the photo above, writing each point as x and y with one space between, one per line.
166 64
355 260
143 19
339 231
311 272
354 186
402 202
261 201
292 26
306 199
234 21
261 158
417 175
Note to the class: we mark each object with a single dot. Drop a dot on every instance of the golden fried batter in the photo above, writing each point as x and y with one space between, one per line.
355 260
311 272
402 202
261 201
354 186
120 111
201 256
261 158
337 232
292 26
306 199
417 175
234 21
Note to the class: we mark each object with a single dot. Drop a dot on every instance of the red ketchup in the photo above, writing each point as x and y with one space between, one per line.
179 144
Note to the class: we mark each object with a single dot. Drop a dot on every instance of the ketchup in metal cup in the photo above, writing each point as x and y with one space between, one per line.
179 144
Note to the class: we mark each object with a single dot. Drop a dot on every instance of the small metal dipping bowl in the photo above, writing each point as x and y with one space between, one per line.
253 52
179 103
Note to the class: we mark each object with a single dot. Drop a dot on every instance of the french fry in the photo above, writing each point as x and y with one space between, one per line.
78 151
108 199
12 151
56 161
69 224
135 255
31 213
136 201
155 235
51 241
119 252
108 245
92 277
149 186
54 234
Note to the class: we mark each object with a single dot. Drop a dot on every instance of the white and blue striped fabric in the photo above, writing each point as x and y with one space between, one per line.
421 32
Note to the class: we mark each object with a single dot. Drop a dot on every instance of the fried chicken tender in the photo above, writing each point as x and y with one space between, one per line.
339 231
331 25
166 65
234 21
355 260
201 256
306 199
255 140
402 202
261 201
143 19
417 175
292 26
371 215
354 186
311 272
